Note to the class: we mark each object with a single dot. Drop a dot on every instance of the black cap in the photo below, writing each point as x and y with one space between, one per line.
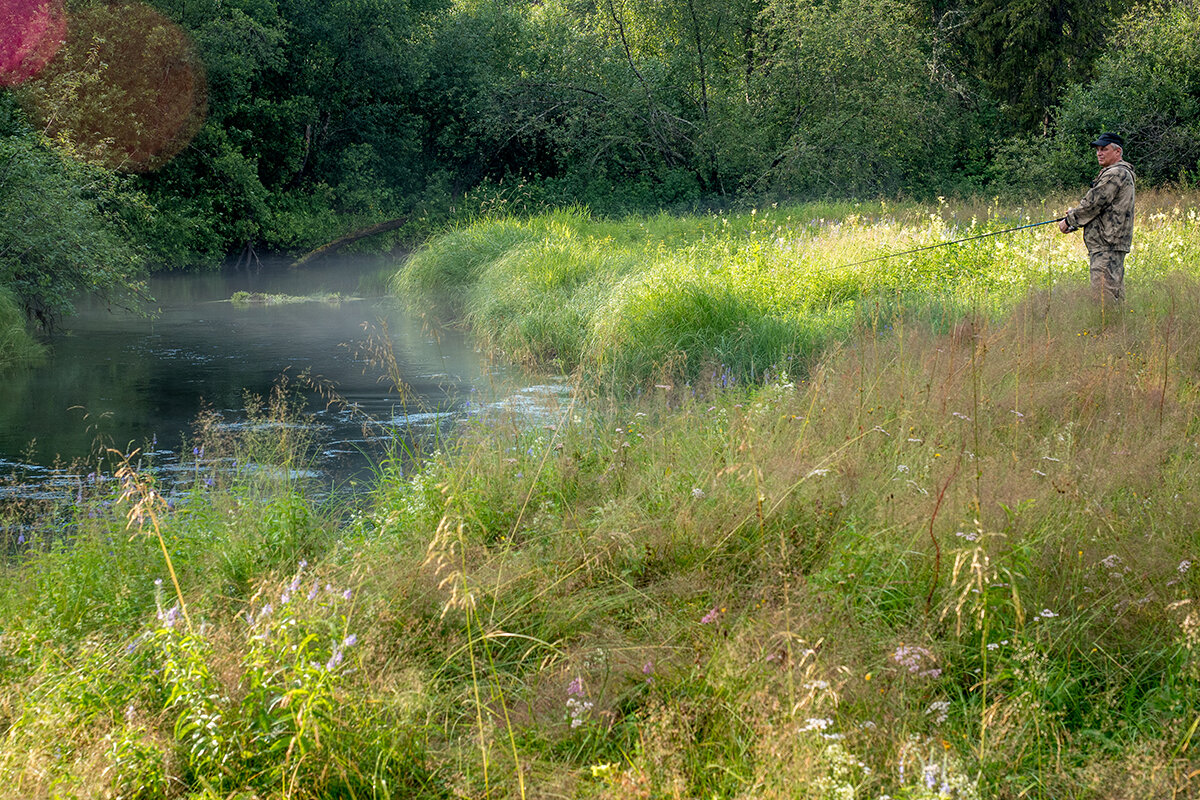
1109 138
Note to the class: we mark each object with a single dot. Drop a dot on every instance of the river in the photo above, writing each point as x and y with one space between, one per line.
117 379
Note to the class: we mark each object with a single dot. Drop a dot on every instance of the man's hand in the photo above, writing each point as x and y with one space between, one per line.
1063 226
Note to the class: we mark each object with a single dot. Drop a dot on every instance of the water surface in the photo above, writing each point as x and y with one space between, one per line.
117 379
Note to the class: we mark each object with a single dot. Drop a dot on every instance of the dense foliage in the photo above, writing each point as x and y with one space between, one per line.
324 115
64 226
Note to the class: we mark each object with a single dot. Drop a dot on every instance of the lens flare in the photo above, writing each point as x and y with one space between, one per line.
31 31
127 91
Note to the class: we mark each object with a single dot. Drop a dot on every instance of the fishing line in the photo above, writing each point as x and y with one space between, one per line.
956 241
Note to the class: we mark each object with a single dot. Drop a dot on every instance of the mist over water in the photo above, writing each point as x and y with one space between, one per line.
115 379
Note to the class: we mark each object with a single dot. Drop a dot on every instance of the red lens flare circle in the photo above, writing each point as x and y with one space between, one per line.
128 89
31 31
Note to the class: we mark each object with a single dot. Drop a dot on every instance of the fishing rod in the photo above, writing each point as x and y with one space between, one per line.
956 241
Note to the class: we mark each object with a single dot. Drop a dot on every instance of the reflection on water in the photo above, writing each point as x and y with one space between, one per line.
116 379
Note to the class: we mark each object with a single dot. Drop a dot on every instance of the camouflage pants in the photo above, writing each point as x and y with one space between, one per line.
1108 273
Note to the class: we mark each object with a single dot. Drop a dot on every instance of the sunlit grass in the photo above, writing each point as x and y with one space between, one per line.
665 298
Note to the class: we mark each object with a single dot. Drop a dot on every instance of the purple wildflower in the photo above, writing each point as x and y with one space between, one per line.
350 640
917 660
712 616
334 660
575 687
169 617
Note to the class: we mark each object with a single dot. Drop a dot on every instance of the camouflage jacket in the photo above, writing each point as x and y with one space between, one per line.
1106 211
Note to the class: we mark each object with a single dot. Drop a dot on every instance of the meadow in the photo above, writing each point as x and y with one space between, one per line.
919 528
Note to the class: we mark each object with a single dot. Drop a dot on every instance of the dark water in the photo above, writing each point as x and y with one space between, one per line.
115 379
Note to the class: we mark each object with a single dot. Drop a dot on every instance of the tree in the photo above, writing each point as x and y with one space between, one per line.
847 103
1026 52
62 230
1147 87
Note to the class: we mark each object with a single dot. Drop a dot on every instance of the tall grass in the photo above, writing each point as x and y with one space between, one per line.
16 345
951 558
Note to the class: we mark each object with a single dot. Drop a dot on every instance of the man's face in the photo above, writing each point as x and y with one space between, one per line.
1108 155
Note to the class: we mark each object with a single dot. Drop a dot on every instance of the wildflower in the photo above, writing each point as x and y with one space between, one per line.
816 724
312 593
334 660
158 582
350 640
914 659
697 492
939 710
20 538
578 705
1047 614
346 595
295 584
265 612
930 774
1111 562
169 617
1184 566
970 536
713 614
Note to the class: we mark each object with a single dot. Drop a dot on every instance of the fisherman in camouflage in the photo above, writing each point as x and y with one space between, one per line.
1106 215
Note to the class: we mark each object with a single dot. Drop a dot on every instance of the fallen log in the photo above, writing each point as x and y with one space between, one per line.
338 244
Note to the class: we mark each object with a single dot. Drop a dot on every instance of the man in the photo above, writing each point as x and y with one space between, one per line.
1106 215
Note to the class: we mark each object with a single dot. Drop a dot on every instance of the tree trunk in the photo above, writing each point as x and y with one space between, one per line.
338 244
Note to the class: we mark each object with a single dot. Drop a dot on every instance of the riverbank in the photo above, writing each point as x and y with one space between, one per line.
647 300
17 347
947 560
